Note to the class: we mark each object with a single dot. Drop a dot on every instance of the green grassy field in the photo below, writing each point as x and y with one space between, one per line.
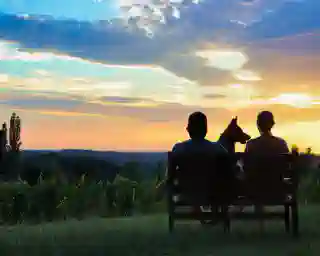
148 235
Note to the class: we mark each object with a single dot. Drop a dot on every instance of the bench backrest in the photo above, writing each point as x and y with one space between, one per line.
199 177
270 177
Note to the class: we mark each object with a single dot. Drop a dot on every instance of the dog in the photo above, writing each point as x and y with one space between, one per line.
229 137
232 135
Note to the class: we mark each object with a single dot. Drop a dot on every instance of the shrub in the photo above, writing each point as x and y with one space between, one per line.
49 200
309 190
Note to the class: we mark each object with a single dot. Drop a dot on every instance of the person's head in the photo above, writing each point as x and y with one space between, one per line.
197 125
265 121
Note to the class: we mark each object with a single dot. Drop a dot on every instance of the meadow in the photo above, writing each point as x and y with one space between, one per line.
45 211
148 235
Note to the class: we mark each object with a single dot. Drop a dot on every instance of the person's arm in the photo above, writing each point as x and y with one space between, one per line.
221 149
285 147
174 151
174 148
224 162
248 147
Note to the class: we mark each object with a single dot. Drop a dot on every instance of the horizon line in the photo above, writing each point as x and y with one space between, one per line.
97 150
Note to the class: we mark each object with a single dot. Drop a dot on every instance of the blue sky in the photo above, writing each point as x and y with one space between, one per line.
72 9
223 57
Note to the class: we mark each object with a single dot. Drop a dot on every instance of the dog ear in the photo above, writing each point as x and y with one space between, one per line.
234 120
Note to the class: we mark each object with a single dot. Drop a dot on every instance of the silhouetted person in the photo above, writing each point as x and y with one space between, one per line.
266 143
197 129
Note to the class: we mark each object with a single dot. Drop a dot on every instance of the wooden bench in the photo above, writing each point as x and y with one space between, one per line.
203 180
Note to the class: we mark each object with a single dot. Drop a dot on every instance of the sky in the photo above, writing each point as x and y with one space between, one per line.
125 74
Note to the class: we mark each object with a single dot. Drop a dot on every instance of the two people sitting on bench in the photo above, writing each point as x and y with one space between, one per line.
266 143
269 175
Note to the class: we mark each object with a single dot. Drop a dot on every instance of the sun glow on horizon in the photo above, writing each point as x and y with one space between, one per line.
299 100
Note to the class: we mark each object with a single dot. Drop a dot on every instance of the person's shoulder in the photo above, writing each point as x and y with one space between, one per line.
282 142
279 139
217 147
254 140
180 145
176 146
253 144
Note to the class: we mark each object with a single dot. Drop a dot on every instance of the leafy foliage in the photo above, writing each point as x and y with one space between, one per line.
51 186
48 200
14 133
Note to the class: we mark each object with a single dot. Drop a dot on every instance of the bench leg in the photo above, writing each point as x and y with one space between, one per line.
259 210
295 220
171 223
171 210
226 226
287 217
226 219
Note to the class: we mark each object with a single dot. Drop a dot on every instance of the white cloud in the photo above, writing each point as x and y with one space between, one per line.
166 86
10 51
233 96
223 59
246 75
298 100
42 72
150 13
4 78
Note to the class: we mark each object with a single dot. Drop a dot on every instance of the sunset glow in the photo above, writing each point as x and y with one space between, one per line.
116 75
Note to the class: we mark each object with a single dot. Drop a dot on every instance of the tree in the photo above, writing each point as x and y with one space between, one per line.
294 149
14 133
3 141
160 170
11 158
309 151
132 171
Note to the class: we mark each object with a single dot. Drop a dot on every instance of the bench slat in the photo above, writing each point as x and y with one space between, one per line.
233 215
192 216
275 202
253 215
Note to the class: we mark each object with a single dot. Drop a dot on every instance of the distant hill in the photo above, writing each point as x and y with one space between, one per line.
120 158
112 156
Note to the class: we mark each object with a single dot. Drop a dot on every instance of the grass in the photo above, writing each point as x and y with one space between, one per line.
148 235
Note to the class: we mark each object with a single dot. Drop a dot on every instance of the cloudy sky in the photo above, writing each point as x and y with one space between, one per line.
125 74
